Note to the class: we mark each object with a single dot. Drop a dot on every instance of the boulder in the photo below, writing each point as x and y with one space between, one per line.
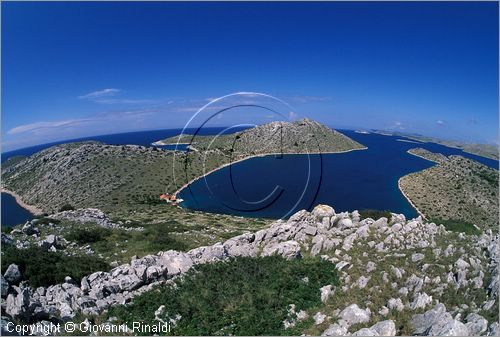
365 332
395 304
493 329
241 245
7 240
421 301
176 262
326 292
461 264
380 223
385 328
29 229
335 330
354 315
345 223
362 281
417 257
12 274
50 242
18 305
288 249
396 227
322 211
207 254
450 328
476 324
438 322
319 318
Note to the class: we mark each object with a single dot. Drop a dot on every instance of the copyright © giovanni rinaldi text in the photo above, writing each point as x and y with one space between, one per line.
87 327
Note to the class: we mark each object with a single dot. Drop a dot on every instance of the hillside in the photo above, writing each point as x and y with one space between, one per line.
303 136
318 273
118 178
455 190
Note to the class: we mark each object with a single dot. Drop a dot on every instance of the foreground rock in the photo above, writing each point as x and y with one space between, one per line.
92 215
376 262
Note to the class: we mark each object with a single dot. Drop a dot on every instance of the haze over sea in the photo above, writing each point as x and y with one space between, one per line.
363 179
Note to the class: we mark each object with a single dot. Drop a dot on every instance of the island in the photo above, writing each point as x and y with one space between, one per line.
457 191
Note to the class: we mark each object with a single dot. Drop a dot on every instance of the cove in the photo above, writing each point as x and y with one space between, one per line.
276 187
12 213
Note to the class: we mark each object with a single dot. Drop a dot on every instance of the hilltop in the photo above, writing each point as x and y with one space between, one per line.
303 136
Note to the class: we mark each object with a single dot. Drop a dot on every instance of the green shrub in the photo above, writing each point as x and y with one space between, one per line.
66 207
159 238
87 235
45 221
458 226
374 214
6 229
243 296
42 268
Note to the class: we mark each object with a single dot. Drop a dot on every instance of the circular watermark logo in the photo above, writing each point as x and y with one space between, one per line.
244 154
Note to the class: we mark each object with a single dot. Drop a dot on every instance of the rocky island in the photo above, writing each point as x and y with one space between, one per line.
457 191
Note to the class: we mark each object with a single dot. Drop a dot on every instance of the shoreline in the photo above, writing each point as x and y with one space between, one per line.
407 198
30 208
419 156
160 143
258 156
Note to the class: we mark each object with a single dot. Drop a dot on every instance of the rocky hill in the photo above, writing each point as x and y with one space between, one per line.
456 189
394 277
119 179
303 136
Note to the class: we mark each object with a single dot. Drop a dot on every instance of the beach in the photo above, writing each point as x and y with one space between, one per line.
411 203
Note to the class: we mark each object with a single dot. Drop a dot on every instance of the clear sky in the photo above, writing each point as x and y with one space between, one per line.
80 69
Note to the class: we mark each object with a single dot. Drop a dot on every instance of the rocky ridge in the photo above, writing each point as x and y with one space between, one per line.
387 267
302 136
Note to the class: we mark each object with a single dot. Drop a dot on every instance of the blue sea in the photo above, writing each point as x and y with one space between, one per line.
278 186
12 213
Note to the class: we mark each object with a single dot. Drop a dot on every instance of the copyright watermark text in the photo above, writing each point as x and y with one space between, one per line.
88 328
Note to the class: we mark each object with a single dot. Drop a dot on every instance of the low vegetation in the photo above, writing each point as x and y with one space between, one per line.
374 214
458 226
42 268
243 296
455 188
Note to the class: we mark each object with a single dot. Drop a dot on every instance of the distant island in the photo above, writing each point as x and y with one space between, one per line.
483 150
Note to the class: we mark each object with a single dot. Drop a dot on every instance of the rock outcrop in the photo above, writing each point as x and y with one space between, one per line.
391 248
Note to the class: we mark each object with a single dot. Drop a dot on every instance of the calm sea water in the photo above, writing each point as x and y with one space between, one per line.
12 213
276 187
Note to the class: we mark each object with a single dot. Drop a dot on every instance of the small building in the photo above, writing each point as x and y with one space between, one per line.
168 197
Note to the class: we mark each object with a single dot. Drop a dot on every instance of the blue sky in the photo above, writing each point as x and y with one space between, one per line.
81 69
